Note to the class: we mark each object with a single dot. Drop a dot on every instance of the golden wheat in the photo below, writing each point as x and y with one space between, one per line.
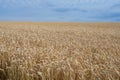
59 51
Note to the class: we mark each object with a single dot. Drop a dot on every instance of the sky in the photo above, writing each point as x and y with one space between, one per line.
60 10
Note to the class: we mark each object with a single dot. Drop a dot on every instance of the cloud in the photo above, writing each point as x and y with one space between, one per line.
107 16
115 6
69 9
112 15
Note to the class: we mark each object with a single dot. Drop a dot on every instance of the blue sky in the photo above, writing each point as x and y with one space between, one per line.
60 10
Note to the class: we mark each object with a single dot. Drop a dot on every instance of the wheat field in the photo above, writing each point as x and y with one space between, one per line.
59 51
